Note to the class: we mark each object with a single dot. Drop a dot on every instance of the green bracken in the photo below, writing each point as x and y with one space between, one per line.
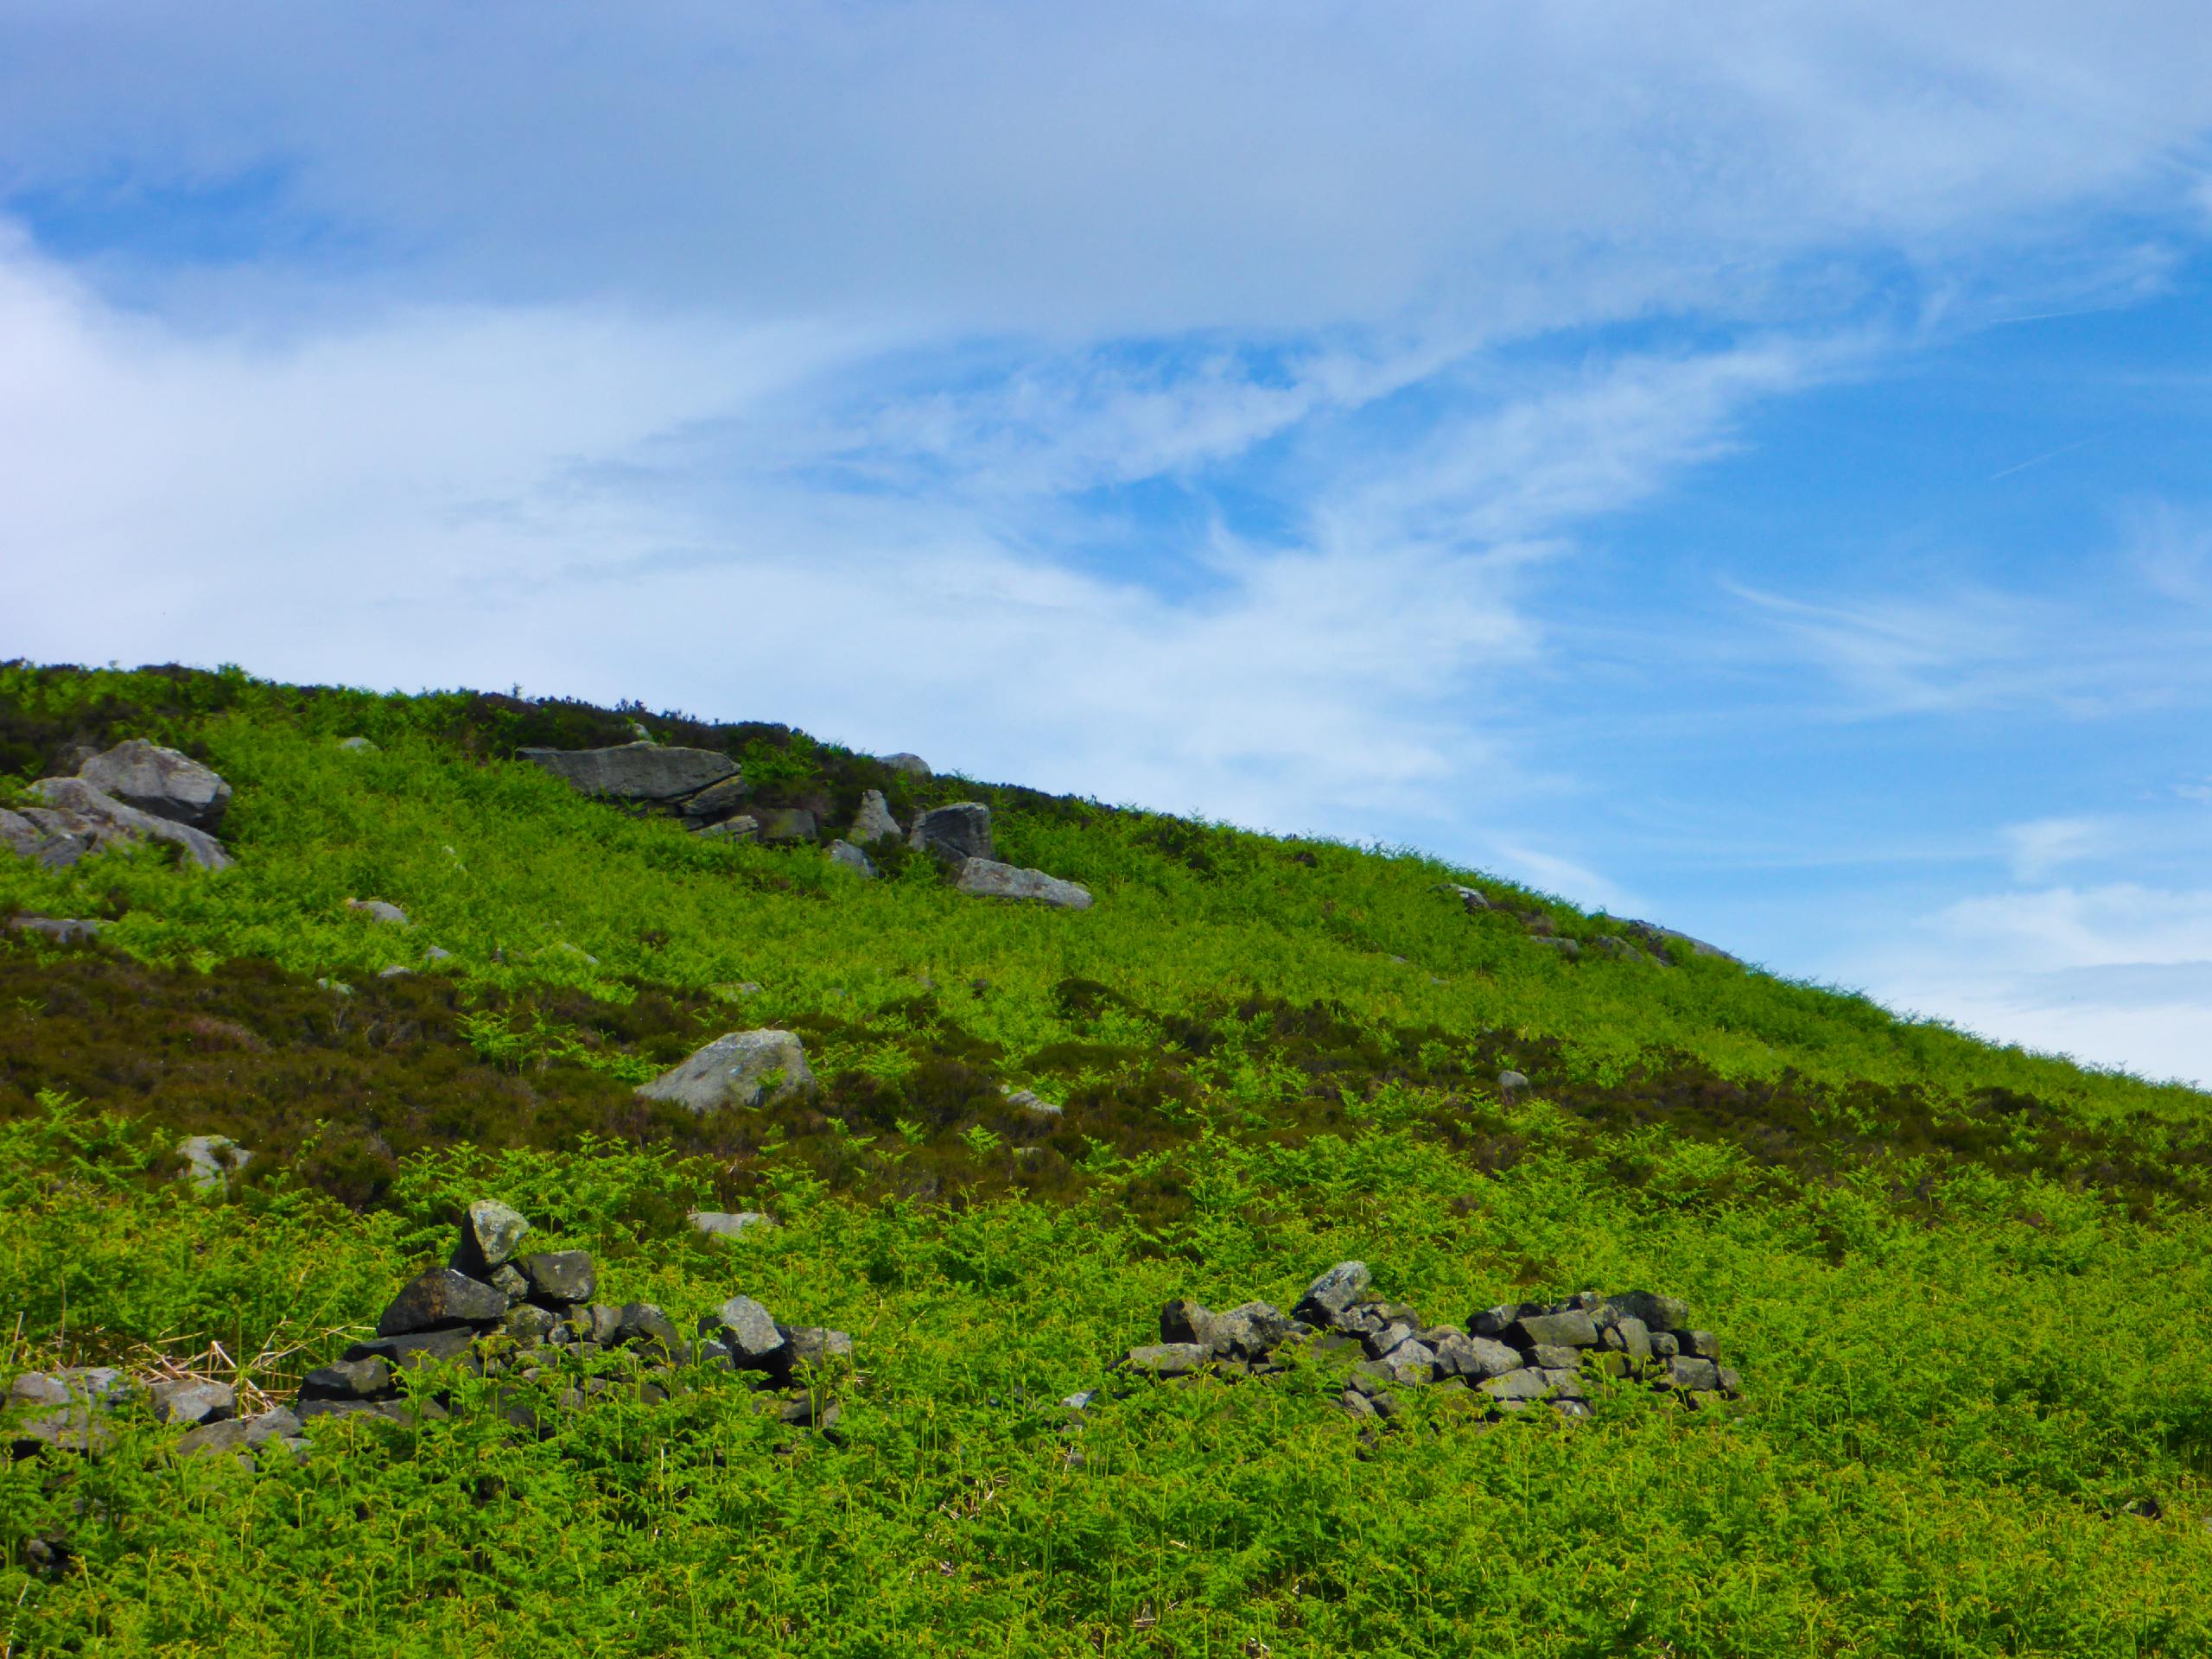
1966 1286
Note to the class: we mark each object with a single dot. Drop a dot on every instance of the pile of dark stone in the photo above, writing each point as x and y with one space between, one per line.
496 1310
502 1311
1509 1359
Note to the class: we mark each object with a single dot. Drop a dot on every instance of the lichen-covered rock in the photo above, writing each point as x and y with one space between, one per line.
160 781
1658 1313
378 910
873 821
560 1279
635 772
1330 1294
852 858
1572 1328
491 1233
189 1401
723 1223
913 764
984 878
1166 1359
210 1160
1475 1358
741 1068
439 1298
955 833
746 1330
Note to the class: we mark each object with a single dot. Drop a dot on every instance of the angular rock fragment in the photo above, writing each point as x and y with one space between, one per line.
348 1379
1571 1329
873 821
559 1279
913 764
1658 1313
1475 1358
1166 1359
378 910
189 1401
722 1223
1186 1321
491 1232
746 1330
1249 1331
84 818
1330 1294
210 1160
850 857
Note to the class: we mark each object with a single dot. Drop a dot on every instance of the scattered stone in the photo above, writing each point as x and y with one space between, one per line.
955 833
643 772
438 1298
741 1068
720 1224
1569 949
913 764
160 781
437 953
376 909
356 746
1028 1100
1471 898
844 852
984 878
1663 942
244 1435
62 929
1512 1082
873 821
394 971
210 1160
77 818
348 1379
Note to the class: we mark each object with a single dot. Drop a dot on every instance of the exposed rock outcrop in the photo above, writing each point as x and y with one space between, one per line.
76 818
873 821
955 833
160 781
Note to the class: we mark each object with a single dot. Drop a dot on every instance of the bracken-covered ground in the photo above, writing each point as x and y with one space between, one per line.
1967 1287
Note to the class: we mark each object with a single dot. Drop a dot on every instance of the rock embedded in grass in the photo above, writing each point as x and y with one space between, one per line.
741 1068
984 878
75 818
874 821
852 858
210 1160
644 773
378 910
722 1223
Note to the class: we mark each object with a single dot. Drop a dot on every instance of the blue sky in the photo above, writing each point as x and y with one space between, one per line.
1744 466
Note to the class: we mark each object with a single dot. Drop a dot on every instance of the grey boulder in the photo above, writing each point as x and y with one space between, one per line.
745 1328
1658 1313
1663 941
723 1223
83 815
955 833
1475 1358
984 878
635 772
160 781
737 829
873 821
844 852
560 1277
62 929
190 1401
210 1160
784 822
379 911
913 764
741 1068
1166 1359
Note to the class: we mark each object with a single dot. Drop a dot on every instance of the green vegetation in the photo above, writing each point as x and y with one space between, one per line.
1966 1286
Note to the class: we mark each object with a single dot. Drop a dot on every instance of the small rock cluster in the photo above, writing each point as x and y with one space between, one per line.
134 791
495 1308
1645 942
502 1310
1514 1357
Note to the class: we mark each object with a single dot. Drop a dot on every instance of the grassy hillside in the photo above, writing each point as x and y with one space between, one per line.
1966 1286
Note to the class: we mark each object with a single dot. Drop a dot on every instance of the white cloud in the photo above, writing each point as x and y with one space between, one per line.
2043 845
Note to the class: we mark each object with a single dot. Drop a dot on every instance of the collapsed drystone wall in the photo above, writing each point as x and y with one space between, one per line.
1512 1358
498 1311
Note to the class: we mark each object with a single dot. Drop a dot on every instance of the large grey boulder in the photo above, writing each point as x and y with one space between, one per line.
1249 1332
187 1402
913 764
210 1160
559 1279
635 771
1571 1329
717 801
74 810
160 781
844 852
378 910
62 929
984 878
873 821
955 833
738 1069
